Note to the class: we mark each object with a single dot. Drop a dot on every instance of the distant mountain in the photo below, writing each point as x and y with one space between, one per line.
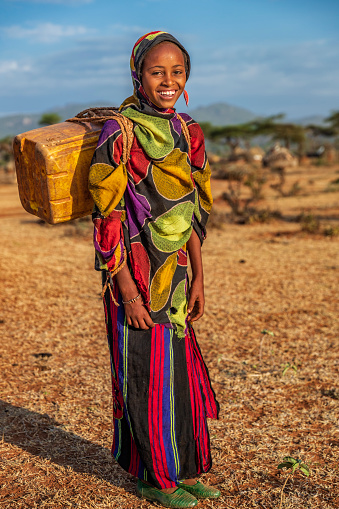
314 119
16 124
222 114
216 114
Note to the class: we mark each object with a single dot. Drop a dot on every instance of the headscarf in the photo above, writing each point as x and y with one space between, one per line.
143 45
156 129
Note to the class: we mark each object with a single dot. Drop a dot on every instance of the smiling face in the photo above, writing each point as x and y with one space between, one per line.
163 74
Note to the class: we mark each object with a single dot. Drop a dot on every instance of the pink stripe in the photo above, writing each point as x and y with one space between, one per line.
199 419
191 386
155 411
211 407
114 314
163 461
117 395
152 406
155 436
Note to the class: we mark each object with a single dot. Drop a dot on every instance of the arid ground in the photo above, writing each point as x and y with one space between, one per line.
279 394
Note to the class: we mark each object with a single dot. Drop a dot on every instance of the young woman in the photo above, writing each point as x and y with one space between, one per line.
149 213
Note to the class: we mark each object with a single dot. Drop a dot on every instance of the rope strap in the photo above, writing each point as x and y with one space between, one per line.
101 115
186 133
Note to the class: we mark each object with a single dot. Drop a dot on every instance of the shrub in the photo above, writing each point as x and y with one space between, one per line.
309 223
331 231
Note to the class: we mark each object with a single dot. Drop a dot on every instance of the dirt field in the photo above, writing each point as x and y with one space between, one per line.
279 394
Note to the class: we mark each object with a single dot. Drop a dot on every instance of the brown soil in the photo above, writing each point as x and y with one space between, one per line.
55 400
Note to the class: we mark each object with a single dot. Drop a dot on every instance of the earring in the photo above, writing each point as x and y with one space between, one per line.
186 97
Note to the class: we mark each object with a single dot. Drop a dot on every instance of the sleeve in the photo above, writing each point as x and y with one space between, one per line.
107 184
201 174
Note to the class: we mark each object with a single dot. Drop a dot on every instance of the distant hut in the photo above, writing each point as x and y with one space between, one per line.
238 154
213 158
255 155
278 159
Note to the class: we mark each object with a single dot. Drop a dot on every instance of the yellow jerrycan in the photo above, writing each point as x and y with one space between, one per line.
52 164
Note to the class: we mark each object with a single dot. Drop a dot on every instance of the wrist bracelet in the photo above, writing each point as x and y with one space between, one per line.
132 300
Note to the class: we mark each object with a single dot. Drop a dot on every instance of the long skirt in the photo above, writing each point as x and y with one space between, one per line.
162 396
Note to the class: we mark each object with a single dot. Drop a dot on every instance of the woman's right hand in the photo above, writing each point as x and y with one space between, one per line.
138 316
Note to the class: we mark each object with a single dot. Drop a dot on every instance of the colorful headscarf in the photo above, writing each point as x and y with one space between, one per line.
143 45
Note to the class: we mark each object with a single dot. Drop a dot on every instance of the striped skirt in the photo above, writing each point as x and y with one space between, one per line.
162 396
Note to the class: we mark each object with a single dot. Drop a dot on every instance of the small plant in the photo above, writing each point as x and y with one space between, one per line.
265 331
309 223
289 366
322 162
333 187
293 464
241 177
261 216
331 231
295 189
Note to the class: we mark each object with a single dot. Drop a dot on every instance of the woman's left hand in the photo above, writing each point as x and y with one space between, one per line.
196 301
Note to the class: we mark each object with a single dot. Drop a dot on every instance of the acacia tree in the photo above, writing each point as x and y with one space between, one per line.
333 120
49 119
286 132
232 135
325 131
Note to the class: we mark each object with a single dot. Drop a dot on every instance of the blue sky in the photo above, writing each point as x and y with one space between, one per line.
269 56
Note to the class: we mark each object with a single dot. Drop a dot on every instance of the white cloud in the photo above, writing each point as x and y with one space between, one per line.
45 32
8 67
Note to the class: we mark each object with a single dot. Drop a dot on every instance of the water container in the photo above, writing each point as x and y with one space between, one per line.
52 165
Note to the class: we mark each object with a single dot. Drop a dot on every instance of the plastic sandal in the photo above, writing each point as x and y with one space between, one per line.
178 499
200 490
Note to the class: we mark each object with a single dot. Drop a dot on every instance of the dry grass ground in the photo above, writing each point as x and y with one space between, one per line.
55 401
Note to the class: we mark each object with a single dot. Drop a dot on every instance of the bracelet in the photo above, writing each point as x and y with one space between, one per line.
132 300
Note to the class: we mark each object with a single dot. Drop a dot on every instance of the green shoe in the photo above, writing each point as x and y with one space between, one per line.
200 490
178 499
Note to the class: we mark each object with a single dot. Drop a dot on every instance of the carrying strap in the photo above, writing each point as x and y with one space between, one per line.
186 134
102 114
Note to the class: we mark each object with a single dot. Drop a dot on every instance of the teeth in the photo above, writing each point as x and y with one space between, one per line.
167 93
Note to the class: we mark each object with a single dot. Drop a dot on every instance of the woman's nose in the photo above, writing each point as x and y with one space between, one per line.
168 79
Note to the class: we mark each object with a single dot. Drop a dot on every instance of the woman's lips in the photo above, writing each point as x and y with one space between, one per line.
166 94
